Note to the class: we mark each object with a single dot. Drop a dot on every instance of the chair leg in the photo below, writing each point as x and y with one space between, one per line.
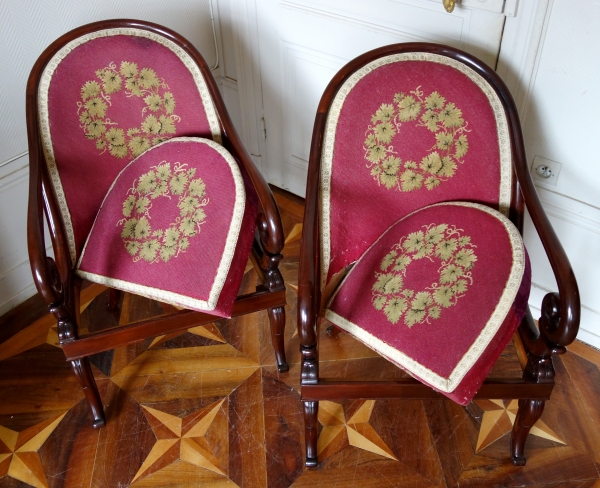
277 322
311 413
83 371
529 413
67 316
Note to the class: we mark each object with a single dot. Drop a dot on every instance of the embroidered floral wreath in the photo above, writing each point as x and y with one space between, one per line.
163 244
96 98
457 259
443 119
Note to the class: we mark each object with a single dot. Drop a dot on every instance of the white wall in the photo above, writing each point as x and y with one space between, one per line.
27 27
552 68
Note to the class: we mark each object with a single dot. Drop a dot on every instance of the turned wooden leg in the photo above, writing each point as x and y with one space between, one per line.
67 330
529 413
83 371
277 321
311 411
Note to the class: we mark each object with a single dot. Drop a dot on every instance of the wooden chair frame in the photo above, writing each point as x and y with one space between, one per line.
559 321
55 279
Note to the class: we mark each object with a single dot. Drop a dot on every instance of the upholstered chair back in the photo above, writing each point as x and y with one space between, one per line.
104 99
406 131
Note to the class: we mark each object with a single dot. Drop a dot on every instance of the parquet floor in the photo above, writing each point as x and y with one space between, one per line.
206 407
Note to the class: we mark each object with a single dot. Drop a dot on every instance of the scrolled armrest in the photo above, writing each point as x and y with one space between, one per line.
51 276
309 279
559 322
269 221
308 284
43 268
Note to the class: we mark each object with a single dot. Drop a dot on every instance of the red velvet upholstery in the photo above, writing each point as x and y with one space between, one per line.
105 98
405 132
175 226
440 293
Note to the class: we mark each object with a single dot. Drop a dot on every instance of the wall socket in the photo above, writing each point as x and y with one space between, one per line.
545 171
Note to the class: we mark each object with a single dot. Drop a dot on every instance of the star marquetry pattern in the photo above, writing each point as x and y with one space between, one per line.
181 439
338 434
206 407
498 420
19 457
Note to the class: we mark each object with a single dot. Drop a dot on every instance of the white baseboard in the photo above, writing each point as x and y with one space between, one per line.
16 286
589 337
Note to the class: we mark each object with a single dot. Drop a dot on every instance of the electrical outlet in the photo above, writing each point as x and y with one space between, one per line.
545 171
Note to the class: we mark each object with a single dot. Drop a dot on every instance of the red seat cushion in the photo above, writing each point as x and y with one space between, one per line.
175 226
439 294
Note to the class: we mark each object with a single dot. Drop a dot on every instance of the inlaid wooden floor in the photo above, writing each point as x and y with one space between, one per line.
207 407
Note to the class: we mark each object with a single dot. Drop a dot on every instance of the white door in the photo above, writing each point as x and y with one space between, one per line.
303 43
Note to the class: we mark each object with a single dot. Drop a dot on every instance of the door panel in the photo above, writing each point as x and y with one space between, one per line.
303 43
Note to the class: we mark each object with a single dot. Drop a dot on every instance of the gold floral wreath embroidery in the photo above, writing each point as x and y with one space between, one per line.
443 119
457 259
151 245
96 98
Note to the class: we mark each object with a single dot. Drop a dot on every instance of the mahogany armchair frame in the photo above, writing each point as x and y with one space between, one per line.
560 312
55 279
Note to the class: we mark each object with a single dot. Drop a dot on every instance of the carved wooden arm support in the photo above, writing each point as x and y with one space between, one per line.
560 312
309 277
49 274
53 278
309 292
270 241
268 220
559 323
309 296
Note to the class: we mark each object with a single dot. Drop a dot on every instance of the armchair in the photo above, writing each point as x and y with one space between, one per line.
417 185
146 187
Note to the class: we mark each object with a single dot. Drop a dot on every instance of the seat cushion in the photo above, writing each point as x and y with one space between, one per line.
176 226
439 294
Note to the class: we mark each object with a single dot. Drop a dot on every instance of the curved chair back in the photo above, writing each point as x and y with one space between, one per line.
107 94
403 131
